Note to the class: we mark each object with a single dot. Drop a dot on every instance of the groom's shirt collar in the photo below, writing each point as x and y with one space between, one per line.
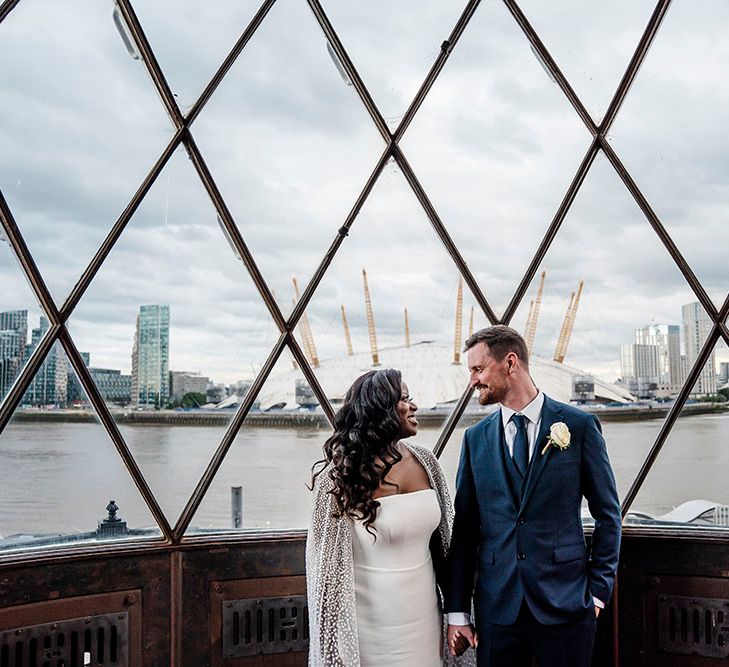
532 412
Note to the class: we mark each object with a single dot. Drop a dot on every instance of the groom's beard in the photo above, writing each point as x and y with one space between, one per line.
486 396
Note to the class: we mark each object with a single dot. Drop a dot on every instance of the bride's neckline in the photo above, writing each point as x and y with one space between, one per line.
409 493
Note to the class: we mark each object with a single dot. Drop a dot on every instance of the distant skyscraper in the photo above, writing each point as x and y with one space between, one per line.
667 339
13 338
50 384
696 328
639 367
150 357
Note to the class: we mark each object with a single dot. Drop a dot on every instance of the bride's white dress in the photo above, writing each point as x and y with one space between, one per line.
398 619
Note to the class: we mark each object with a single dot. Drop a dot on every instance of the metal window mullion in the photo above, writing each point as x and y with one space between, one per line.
673 414
229 61
22 382
119 226
27 263
227 219
350 69
310 376
654 24
112 429
233 427
151 63
6 8
342 233
445 50
660 230
442 233
452 421
552 230
551 65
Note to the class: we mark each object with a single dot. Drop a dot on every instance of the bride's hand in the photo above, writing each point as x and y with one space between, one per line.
460 637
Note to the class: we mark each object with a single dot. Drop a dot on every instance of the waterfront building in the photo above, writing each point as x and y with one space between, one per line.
667 340
186 382
75 394
49 387
696 328
13 338
723 376
113 385
150 357
639 364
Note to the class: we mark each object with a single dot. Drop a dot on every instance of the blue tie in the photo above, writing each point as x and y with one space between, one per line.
521 444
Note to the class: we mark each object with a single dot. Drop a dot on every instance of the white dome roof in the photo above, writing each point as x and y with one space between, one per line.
430 374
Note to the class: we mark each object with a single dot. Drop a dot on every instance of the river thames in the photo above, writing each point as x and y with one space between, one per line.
59 477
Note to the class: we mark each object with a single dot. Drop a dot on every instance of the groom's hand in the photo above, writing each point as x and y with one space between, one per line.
460 637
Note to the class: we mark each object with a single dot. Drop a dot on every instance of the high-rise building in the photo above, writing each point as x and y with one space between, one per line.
13 338
667 339
113 386
696 328
639 367
150 357
50 384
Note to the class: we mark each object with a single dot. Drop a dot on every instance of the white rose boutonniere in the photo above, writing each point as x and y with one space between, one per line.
559 436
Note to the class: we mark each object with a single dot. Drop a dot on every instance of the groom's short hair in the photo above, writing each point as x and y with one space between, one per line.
500 340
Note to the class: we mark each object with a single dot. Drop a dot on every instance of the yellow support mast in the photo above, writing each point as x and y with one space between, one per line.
370 322
347 337
459 323
470 324
306 330
569 320
532 330
407 329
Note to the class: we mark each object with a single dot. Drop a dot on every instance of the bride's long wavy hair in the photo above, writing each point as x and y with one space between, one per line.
363 447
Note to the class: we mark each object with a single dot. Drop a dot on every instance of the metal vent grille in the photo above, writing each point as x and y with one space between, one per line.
76 642
265 625
693 626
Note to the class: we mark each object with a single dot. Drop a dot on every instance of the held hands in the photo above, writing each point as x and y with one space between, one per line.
460 637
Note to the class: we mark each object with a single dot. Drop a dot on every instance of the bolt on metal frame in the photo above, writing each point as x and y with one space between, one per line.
183 136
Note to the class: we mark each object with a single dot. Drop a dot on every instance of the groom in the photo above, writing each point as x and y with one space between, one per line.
523 472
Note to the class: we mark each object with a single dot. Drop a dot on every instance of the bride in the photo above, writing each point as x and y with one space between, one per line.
379 533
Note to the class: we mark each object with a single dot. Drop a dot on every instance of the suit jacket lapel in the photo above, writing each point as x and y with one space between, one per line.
499 457
550 414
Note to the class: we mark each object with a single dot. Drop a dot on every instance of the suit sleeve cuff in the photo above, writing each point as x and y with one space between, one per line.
598 602
459 618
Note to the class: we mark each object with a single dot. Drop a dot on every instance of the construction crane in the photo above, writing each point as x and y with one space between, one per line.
534 315
569 321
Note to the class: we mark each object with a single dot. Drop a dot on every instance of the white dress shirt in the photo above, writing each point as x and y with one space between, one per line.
533 414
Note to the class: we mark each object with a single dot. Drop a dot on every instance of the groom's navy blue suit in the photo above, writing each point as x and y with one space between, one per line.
523 540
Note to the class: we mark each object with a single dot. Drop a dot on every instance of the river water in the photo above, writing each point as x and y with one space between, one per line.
59 477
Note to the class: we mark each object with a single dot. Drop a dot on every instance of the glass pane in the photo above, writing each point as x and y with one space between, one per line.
666 135
392 241
290 146
176 332
624 351
393 45
21 325
59 470
269 463
591 42
495 145
191 44
687 483
81 127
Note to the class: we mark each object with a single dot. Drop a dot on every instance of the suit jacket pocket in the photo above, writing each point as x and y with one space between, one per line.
570 552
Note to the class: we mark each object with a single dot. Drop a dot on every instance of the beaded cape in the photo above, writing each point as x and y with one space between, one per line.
333 640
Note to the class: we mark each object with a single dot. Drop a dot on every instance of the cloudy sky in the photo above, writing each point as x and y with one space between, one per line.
290 146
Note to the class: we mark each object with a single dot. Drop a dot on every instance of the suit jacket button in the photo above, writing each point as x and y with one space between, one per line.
520 522
521 556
